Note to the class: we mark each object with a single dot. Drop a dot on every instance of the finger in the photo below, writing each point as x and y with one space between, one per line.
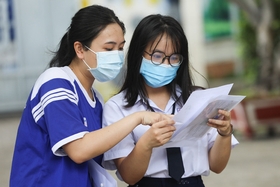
166 116
219 117
225 113
164 123
165 137
218 123
166 132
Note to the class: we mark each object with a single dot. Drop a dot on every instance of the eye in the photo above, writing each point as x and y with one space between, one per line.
157 55
174 58
108 49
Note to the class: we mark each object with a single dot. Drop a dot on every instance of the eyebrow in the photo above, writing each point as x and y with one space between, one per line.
156 50
111 42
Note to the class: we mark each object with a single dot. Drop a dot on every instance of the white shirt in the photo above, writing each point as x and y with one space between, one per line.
194 153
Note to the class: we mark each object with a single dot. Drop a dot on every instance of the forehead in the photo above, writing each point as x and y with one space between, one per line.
111 33
162 43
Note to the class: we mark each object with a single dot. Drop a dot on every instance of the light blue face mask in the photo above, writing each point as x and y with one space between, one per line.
157 75
109 64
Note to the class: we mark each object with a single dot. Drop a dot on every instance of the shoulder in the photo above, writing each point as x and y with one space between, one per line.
118 104
118 99
115 103
53 73
50 74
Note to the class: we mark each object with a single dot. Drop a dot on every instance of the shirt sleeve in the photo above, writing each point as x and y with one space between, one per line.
55 109
112 112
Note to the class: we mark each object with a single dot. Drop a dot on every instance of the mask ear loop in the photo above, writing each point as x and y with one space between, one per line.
86 64
90 49
94 53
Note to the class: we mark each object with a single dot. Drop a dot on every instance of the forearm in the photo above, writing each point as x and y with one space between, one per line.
134 166
99 141
219 154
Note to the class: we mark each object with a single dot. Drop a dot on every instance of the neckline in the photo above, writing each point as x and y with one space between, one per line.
74 77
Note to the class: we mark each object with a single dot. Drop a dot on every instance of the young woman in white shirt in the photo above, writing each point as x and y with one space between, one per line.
158 79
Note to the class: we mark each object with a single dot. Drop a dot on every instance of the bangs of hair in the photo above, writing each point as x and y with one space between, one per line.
170 36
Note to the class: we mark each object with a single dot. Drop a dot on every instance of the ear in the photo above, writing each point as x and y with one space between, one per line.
79 49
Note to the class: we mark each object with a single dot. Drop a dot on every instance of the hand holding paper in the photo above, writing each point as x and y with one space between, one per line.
191 120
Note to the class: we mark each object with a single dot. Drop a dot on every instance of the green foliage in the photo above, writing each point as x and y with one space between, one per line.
247 40
217 19
276 23
214 29
217 10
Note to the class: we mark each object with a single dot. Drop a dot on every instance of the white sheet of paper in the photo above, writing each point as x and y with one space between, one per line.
191 120
101 178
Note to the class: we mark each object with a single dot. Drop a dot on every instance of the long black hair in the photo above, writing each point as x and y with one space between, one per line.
85 26
146 33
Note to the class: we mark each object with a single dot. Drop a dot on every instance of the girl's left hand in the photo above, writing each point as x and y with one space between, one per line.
222 123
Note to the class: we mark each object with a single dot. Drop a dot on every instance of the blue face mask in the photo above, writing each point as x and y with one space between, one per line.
157 75
109 64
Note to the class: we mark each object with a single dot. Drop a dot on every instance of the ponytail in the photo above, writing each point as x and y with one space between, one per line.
61 56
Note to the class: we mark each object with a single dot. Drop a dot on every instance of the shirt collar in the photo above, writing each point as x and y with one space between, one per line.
169 104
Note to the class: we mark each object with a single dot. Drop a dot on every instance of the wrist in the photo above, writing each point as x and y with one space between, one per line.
139 116
144 144
226 134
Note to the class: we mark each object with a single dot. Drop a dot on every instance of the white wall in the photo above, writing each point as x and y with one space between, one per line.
39 25
192 22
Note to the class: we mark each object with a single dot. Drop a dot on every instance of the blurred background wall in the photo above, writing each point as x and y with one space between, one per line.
31 29
230 41
28 31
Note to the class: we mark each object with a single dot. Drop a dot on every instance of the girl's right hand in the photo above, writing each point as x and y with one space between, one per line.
161 130
149 118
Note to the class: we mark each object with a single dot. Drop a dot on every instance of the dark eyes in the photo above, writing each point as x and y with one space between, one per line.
111 49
